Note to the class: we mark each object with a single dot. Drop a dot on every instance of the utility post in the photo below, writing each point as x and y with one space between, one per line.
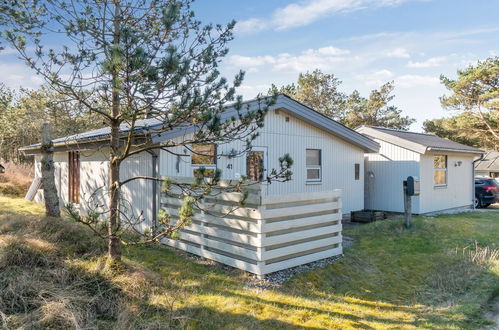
411 188
407 207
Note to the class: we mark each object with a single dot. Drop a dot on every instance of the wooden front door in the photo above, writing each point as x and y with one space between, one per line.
256 166
74 177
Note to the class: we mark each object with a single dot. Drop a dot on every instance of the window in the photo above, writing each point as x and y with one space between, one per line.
357 171
313 163
440 170
203 160
74 177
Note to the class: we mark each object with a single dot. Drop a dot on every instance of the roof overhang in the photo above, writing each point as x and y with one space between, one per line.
283 102
409 145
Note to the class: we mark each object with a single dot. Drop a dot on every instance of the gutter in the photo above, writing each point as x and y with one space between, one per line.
456 150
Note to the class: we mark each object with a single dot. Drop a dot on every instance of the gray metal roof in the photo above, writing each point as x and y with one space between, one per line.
490 162
283 102
417 142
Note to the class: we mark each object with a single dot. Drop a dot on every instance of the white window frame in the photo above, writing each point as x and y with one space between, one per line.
213 166
313 167
440 185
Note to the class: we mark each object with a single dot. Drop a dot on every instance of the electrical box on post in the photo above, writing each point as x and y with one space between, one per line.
413 186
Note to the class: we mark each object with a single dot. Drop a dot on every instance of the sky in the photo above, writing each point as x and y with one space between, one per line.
364 43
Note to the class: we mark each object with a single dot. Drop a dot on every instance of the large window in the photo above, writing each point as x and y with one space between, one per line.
203 160
440 170
313 164
74 177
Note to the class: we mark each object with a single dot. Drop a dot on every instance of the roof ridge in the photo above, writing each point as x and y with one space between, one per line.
402 131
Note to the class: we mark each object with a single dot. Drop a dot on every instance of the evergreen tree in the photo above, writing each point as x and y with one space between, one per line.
124 60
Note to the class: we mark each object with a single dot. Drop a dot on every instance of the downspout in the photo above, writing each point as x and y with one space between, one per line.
154 189
473 180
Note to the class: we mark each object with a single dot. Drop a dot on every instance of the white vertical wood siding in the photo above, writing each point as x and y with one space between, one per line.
94 182
391 166
138 194
94 176
459 190
294 137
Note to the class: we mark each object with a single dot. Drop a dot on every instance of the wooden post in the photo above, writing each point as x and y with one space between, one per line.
49 189
407 208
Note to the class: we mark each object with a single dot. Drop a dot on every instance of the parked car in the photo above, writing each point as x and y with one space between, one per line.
486 192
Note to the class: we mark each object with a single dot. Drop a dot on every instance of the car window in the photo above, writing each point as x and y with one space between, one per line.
491 183
479 182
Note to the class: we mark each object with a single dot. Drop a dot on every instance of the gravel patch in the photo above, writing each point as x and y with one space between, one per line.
276 279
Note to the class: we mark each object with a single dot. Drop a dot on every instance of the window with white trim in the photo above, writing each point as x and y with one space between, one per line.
440 170
313 165
204 159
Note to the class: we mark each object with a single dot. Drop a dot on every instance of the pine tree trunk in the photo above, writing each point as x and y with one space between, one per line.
114 244
49 189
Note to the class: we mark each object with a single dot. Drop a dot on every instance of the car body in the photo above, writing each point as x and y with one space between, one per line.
486 192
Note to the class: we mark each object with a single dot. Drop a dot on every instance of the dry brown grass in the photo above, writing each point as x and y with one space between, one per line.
16 179
54 274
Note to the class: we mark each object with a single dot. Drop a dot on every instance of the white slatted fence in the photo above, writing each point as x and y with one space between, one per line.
267 234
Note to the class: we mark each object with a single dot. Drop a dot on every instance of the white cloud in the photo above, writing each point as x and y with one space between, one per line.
398 53
16 75
251 25
325 58
429 63
411 80
375 78
307 11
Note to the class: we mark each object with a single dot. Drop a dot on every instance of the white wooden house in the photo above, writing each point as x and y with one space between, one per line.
305 224
444 167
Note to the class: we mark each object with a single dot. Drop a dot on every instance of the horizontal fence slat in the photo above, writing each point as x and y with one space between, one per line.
297 235
240 264
299 197
220 183
300 247
266 269
289 224
227 235
231 248
253 226
240 211
302 209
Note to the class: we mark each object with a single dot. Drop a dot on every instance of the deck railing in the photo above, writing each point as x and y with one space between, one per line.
267 234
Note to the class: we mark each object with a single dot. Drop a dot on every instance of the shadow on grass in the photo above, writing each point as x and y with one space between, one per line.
386 275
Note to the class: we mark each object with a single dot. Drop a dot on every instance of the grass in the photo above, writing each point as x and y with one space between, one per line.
439 275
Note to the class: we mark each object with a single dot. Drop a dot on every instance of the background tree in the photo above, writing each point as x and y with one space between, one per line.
475 91
127 60
464 128
375 111
23 112
319 91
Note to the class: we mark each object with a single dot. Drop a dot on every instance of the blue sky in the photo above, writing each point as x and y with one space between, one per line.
363 42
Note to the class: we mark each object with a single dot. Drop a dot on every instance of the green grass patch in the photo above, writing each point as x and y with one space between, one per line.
439 274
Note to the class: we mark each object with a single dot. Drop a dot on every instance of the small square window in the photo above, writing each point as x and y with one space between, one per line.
314 165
